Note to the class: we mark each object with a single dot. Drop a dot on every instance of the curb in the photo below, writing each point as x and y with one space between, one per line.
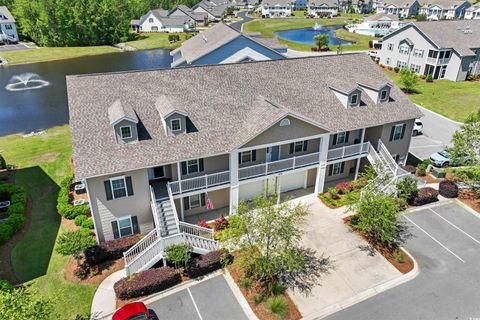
364 295
240 297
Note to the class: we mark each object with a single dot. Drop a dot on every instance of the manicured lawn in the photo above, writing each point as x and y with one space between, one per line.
455 100
43 162
155 40
267 27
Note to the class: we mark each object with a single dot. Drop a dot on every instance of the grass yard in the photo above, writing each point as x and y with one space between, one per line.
267 27
454 100
155 40
43 162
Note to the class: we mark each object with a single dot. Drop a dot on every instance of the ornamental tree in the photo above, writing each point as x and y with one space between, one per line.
321 40
466 140
178 254
26 304
74 243
270 234
408 80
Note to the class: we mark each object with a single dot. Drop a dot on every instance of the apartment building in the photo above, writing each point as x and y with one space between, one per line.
400 8
444 9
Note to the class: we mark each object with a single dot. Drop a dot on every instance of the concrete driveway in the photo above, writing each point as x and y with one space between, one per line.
446 245
209 300
437 133
13 47
356 273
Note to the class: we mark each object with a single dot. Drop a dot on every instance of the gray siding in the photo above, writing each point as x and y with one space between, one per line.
105 211
183 123
354 135
133 127
312 147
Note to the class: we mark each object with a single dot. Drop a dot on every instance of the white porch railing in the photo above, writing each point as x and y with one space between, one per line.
278 166
202 182
131 254
348 151
389 161
196 230
174 208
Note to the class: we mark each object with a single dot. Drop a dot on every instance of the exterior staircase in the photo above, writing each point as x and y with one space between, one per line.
168 231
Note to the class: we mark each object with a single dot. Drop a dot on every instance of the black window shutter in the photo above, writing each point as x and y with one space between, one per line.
200 165
254 155
108 189
305 145
116 234
347 134
391 133
239 158
186 203
292 145
335 139
202 199
342 167
330 169
184 168
135 227
129 186
403 130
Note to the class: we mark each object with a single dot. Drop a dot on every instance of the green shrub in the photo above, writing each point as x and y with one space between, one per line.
259 298
429 78
6 286
3 163
398 255
277 288
277 306
178 254
88 224
407 188
64 207
333 193
80 219
396 69
18 199
74 243
246 284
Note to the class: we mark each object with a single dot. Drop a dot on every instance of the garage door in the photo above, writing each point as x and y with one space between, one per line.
292 181
251 190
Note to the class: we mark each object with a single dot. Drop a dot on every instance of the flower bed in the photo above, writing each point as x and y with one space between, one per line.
207 263
337 196
425 196
448 189
15 213
109 250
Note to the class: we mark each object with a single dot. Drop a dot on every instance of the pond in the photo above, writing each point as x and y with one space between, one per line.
307 35
34 96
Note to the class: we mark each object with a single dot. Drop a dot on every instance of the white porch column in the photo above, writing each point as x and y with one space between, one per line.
362 138
179 178
322 167
234 186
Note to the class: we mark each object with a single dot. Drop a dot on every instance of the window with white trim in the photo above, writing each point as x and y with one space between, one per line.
246 156
404 49
336 168
341 137
150 20
390 46
418 53
401 64
383 95
415 67
298 146
119 187
125 226
354 99
193 166
398 132
194 201
126 132
387 61
176 125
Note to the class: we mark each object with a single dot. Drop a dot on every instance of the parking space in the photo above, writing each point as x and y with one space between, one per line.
13 47
446 245
209 300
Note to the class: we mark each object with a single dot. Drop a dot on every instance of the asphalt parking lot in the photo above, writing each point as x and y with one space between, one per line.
446 245
208 300
13 47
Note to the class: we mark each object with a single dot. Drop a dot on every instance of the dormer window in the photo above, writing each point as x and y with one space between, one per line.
126 132
383 95
176 125
354 99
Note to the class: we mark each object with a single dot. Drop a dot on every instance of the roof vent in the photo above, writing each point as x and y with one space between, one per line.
204 38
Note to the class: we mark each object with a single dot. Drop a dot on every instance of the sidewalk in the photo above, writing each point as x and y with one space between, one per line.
104 301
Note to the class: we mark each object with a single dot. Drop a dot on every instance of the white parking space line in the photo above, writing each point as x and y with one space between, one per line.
456 227
434 239
194 304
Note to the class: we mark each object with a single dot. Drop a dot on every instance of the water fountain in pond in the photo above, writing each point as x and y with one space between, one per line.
26 81
317 26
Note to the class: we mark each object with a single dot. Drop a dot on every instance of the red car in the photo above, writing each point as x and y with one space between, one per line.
134 311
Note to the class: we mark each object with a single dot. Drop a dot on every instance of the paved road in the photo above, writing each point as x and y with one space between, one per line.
208 300
437 133
446 245
238 25
13 47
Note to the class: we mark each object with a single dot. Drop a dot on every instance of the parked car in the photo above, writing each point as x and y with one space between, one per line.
444 159
134 311
417 127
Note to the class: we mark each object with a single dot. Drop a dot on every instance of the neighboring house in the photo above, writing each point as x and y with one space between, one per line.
8 29
444 9
473 12
276 8
158 20
323 8
223 44
245 4
183 11
444 49
187 144
378 24
215 9
401 8
356 6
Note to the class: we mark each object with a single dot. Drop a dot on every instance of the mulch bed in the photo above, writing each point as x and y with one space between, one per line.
104 270
404 267
471 199
428 178
261 309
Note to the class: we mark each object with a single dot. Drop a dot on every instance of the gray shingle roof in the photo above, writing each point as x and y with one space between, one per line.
226 103
398 3
381 15
444 4
118 111
207 41
451 34
277 2
317 3
166 106
6 13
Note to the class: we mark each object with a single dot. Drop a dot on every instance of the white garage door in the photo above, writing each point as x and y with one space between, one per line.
251 190
292 181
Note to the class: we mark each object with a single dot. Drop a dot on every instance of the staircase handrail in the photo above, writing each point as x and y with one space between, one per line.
153 203
151 237
200 229
174 208
390 161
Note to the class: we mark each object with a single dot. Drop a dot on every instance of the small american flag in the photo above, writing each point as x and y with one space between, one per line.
209 203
